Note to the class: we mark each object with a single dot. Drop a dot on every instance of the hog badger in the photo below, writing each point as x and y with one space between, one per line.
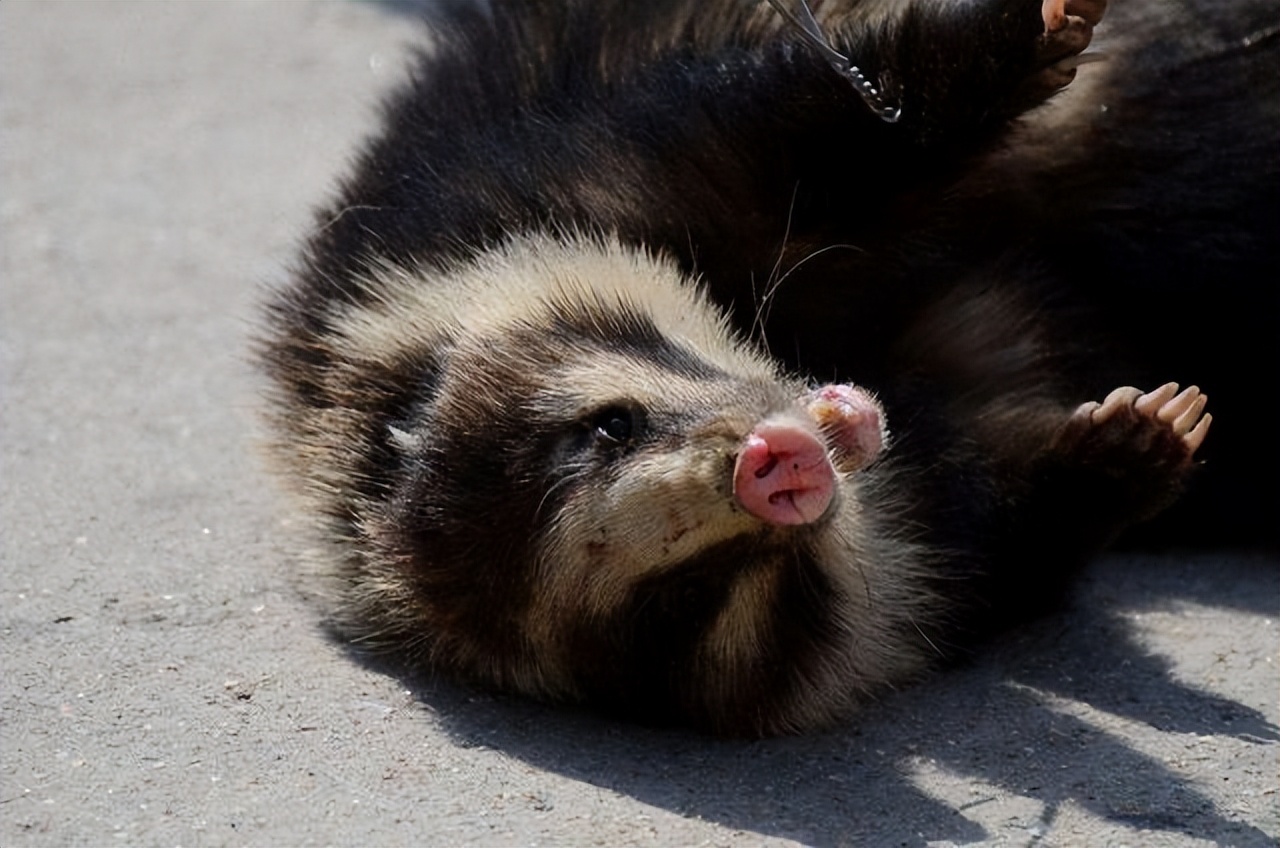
708 362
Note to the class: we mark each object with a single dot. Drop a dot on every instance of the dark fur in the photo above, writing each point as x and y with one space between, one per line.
984 276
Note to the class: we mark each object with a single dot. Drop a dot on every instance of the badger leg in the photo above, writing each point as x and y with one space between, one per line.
1018 476
1109 464
964 70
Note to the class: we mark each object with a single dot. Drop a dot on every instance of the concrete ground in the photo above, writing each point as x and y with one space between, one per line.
164 676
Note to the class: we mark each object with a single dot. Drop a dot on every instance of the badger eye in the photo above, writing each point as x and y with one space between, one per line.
616 424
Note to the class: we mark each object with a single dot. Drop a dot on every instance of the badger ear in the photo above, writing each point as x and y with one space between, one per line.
403 440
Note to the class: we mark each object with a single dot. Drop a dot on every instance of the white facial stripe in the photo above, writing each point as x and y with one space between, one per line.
520 284
735 641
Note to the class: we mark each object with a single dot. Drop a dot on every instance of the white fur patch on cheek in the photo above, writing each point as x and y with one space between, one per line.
662 510
671 506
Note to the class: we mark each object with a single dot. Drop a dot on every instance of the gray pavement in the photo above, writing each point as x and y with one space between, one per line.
165 680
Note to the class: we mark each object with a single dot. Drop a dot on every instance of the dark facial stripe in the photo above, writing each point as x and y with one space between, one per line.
625 331
647 661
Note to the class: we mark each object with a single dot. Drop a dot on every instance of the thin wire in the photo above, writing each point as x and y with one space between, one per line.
804 22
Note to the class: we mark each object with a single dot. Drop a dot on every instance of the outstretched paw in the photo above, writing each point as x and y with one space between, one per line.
1068 29
1146 439
1165 411
1142 442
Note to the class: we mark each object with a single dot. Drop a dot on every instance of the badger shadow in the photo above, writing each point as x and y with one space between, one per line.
1019 719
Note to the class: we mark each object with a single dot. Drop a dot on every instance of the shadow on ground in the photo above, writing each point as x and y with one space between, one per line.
1059 713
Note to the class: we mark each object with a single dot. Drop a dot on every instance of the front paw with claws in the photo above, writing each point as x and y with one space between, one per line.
1068 29
1145 440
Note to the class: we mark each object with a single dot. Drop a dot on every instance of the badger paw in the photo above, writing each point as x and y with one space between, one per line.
1068 29
1147 436
1136 448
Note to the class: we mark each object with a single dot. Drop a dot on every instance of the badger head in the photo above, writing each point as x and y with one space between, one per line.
555 470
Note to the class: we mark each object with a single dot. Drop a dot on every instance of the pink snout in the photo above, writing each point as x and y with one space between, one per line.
783 475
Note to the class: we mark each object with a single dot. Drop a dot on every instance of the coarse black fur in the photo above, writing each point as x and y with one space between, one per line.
983 268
